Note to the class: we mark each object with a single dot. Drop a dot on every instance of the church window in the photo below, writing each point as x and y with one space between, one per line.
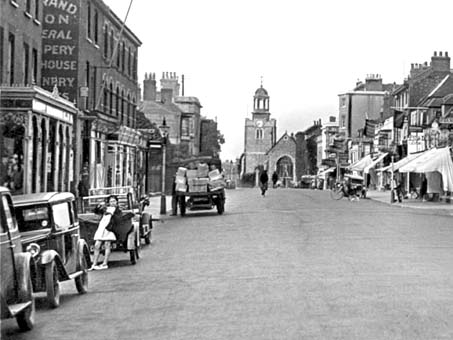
259 134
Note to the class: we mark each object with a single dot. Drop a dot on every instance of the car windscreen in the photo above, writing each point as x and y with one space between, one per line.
32 218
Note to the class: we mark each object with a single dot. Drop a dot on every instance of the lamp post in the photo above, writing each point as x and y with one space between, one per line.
164 133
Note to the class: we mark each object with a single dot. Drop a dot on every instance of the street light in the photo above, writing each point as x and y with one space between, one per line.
164 133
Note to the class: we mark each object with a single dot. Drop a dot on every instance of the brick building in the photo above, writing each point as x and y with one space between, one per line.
36 126
92 58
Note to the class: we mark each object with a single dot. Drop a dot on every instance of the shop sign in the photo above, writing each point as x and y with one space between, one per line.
60 47
447 120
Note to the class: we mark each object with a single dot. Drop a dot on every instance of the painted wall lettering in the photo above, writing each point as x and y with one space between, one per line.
60 47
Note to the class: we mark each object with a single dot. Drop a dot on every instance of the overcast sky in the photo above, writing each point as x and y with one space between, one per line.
307 52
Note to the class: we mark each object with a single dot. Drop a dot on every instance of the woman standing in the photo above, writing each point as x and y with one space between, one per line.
111 216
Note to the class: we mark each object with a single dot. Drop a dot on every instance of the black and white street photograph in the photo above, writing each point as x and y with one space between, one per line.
238 170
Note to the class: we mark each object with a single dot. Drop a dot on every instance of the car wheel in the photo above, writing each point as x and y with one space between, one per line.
52 285
148 238
26 318
81 281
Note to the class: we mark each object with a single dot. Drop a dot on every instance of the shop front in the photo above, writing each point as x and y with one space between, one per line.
116 157
36 132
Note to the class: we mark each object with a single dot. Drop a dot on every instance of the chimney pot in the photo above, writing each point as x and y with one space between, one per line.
435 53
446 53
440 54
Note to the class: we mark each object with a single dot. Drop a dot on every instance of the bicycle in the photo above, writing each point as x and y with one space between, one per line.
338 192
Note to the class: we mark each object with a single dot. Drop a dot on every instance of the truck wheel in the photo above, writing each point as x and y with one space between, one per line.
182 205
220 206
132 256
81 281
26 318
52 285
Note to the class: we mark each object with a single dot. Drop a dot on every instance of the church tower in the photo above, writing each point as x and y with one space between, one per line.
260 133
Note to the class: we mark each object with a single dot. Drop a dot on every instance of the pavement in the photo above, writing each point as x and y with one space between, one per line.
154 206
412 203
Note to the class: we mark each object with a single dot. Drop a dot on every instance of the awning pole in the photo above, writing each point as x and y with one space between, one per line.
392 200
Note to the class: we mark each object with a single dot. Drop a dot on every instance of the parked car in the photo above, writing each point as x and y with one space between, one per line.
50 232
16 279
127 202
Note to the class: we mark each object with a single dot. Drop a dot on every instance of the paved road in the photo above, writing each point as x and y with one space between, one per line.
292 265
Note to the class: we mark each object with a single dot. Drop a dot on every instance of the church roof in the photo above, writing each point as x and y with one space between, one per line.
261 92
282 138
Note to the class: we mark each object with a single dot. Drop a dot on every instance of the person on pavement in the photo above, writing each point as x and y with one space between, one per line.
274 179
111 216
263 182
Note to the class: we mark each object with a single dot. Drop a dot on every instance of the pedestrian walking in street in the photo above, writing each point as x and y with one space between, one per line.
274 179
264 179
111 216
423 188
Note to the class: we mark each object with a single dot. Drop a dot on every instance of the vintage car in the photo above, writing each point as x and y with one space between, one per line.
127 202
16 280
50 232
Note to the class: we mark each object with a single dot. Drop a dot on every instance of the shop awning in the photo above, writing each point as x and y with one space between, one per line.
374 162
434 160
361 163
326 171
401 162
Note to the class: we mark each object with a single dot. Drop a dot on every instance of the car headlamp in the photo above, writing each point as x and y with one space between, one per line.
33 249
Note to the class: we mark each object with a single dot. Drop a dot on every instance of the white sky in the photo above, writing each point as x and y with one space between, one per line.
308 52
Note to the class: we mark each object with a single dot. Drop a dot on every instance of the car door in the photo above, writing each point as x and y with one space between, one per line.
65 233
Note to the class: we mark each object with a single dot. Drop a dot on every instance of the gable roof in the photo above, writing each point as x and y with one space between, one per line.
280 140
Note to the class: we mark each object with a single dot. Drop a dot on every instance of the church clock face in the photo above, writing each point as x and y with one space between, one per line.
259 123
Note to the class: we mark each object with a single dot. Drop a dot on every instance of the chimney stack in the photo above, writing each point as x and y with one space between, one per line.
149 87
440 62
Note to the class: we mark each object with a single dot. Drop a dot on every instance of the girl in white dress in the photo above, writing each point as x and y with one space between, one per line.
102 235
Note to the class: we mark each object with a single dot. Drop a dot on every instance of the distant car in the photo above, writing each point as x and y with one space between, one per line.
16 279
50 232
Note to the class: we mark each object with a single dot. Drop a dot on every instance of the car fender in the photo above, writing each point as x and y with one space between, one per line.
132 237
82 249
50 255
24 263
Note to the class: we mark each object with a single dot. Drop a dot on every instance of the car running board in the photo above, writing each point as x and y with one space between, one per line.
75 274
18 307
